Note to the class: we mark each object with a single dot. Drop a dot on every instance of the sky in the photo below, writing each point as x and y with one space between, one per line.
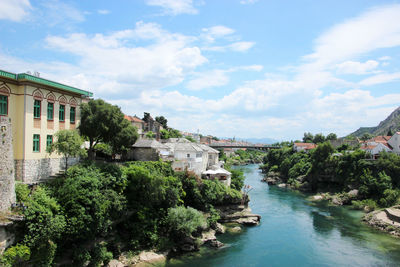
231 68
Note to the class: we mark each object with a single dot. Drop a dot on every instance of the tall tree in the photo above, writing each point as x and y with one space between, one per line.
331 136
163 121
319 138
308 138
124 139
103 122
68 143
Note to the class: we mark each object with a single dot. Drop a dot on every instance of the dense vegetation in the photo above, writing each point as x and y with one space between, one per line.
325 170
97 211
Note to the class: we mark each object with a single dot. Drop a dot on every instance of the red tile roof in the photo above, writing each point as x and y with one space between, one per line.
306 145
132 118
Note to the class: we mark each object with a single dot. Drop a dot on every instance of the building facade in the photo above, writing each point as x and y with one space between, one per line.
38 108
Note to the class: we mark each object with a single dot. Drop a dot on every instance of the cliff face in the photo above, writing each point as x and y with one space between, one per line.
392 122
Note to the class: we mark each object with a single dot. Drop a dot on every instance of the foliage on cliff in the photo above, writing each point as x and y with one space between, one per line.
98 210
324 169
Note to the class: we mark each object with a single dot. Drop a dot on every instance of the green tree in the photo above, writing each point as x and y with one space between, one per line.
146 117
68 143
390 133
164 134
125 138
163 121
183 221
43 226
319 138
308 138
366 136
331 136
103 122
150 135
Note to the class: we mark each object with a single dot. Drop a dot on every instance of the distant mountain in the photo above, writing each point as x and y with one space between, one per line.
392 122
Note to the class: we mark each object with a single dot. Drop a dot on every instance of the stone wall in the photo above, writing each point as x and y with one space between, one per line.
36 170
7 237
7 182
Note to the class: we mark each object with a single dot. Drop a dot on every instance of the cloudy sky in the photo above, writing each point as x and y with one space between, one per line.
244 68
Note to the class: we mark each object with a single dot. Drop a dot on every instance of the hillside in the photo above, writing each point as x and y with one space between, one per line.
391 122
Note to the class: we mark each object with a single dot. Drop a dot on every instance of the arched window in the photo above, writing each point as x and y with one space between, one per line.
37 103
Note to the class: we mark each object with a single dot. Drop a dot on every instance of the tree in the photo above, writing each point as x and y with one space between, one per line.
150 135
125 138
331 136
146 117
163 121
390 133
319 138
366 136
103 122
68 143
308 138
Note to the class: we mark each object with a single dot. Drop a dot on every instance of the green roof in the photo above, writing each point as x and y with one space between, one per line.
28 77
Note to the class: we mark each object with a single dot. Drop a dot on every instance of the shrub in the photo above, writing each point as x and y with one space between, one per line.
22 192
184 221
274 168
364 204
389 198
15 255
237 179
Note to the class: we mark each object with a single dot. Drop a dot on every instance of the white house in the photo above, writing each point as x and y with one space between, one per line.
375 149
187 155
198 158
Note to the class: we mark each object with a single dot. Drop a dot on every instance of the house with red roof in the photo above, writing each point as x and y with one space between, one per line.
303 146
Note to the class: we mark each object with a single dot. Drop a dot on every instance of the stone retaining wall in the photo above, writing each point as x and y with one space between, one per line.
7 182
36 170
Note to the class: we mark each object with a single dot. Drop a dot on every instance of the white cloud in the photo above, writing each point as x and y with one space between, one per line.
210 34
118 57
208 79
247 2
55 12
381 78
217 77
354 67
377 28
14 10
237 47
103 11
174 7
385 58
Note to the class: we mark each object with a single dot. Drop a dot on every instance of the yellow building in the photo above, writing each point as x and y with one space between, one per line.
38 108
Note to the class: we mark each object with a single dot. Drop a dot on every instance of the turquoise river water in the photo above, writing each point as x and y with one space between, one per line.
297 232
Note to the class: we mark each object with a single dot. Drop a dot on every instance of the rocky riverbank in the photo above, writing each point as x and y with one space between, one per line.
232 219
387 220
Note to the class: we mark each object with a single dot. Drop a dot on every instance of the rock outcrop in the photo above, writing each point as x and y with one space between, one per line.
273 178
240 214
387 220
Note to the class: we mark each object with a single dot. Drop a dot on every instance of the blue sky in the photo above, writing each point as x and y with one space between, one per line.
244 68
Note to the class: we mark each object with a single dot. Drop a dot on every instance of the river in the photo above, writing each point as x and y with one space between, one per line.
297 232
